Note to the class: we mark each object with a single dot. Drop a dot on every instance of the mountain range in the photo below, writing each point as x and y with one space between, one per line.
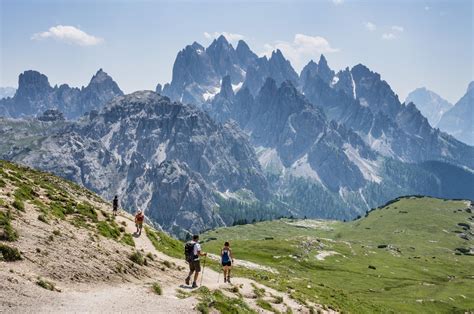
35 95
430 104
456 120
238 137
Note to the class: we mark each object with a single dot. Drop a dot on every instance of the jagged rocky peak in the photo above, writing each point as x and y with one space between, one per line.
32 82
324 70
311 69
158 88
429 103
245 55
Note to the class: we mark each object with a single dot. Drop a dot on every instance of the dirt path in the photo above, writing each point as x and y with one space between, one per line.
137 296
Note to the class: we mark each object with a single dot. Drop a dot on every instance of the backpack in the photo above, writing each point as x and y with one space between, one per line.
225 256
189 251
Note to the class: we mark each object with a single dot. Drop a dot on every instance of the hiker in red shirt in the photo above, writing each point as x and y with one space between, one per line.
139 218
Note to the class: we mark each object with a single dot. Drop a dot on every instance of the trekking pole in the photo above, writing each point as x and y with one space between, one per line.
203 267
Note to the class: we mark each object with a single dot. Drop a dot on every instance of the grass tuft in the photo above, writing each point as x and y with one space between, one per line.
10 254
156 287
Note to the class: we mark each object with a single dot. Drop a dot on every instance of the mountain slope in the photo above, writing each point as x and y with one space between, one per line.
34 96
430 104
166 158
75 256
361 100
459 120
414 255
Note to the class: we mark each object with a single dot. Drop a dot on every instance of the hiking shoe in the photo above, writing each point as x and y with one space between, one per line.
194 285
187 281
225 280
228 280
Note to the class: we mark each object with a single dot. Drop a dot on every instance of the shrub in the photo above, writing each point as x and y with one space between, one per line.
87 210
8 233
18 204
157 288
128 239
137 258
108 230
10 254
45 284
43 218
265 305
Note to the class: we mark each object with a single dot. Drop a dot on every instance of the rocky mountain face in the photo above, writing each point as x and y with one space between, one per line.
166 158
459 120
197 71
35 95
371 137
361 100
430 104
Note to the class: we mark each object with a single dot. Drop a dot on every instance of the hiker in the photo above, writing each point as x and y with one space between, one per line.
227 260
139 217
115 205
192 251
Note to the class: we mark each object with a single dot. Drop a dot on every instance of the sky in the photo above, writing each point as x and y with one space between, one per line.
411 43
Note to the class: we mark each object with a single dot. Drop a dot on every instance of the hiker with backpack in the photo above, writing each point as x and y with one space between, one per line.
192 252
227 259
115 205
139 218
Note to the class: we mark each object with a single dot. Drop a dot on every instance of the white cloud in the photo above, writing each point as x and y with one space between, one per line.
68 34
232 37
370 26
398 28
388 36
301 50
337 1
427 8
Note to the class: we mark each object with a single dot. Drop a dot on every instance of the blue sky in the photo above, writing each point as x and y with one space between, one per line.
410 43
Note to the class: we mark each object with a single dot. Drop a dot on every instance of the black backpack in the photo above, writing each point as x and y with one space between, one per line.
189 251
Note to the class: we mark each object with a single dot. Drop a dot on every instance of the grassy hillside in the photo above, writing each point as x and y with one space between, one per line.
55 230
415 254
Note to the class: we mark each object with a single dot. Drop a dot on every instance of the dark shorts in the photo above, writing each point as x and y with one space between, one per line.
229 263
195 266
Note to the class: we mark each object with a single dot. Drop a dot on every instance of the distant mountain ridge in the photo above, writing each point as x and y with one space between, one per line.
320 143
35 95
430 104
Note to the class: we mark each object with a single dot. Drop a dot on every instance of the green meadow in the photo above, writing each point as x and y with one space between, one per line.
413 255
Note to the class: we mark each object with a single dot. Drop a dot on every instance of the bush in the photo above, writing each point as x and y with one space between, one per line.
128 239
10 254
45 284
8 233
43 218
87 210
108 230
157 288
137 258
18 204
265 305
